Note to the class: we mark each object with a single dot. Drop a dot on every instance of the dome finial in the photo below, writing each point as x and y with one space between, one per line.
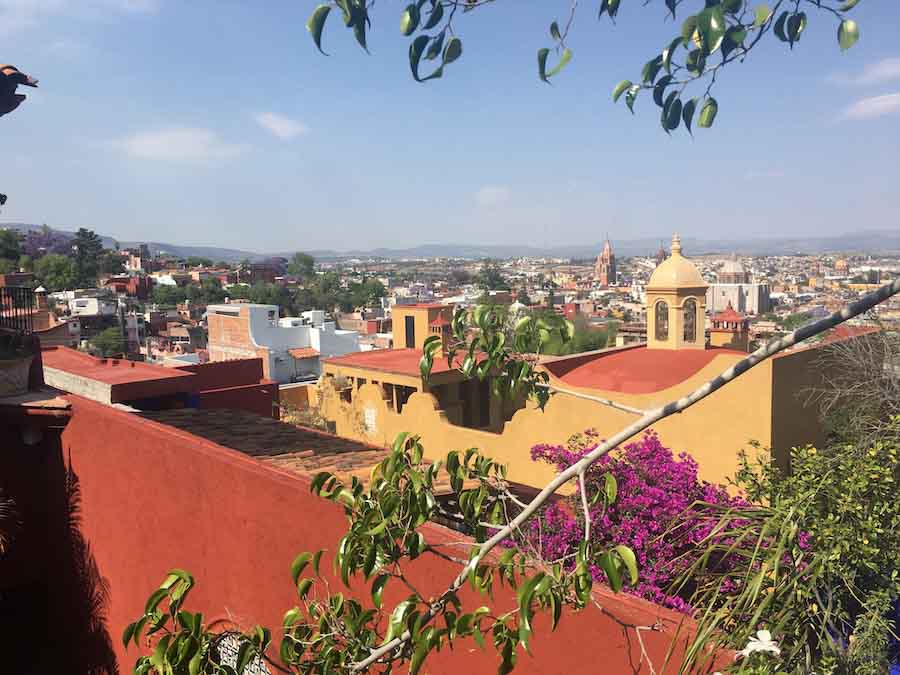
676 244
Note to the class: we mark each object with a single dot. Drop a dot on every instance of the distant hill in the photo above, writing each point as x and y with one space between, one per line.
871 241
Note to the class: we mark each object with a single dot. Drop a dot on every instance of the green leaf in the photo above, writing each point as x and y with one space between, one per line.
711 24
316 23
435 17
669 52
734 36
409 20
299 564
651 69
610 486
617 92
542 55
795 25
847 6
290 617
660 89
554 31
708 113
415 55
688 28
762 15
378 589
672 115
525 593
631 97
155 598
628 557
687 114
434 49
453 50
848 34
128 633
608 564
779 26
303 587
732 6
316 560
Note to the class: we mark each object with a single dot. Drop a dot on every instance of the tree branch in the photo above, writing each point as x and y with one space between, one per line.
651 417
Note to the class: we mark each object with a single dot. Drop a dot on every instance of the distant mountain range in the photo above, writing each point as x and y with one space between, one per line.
872 241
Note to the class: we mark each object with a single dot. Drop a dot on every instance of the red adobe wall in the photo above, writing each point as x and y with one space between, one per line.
261 399
153 498
220 374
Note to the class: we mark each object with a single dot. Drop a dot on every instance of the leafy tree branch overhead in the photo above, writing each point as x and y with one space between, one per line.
711 35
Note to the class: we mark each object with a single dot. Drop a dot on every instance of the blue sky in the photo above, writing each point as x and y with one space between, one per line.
217 122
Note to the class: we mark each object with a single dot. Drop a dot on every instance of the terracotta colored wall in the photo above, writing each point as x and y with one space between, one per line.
746 405
153 498
216 375
261 399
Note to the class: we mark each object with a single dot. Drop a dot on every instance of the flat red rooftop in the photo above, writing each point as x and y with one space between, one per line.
400 361
115 379
634 371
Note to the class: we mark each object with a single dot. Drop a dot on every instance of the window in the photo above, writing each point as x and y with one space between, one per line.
410 326
690 320
661 329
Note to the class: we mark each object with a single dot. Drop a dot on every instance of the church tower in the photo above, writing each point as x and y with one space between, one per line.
605 267
676 304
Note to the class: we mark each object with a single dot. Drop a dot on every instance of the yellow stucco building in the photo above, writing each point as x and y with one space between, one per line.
769 405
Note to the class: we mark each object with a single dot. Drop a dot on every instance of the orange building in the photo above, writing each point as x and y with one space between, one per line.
766 405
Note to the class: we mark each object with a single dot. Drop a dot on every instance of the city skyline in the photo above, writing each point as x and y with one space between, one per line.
250 139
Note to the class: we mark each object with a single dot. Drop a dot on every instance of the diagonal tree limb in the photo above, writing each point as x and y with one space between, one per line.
852 310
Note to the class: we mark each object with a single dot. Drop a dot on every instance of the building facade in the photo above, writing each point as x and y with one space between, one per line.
605 267
290 347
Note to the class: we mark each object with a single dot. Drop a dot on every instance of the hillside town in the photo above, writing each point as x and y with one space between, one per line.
389 400
161 309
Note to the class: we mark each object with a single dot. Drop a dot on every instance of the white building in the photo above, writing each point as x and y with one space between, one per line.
735 286
291 348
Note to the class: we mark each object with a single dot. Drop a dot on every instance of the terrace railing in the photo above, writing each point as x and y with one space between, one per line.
17 307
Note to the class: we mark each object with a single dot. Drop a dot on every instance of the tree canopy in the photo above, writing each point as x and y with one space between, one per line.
711 35
56 272
302 265
87 246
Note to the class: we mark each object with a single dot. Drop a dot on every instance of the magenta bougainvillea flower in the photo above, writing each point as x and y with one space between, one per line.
656 490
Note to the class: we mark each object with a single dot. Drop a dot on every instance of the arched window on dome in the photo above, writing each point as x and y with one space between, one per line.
661 329
690 320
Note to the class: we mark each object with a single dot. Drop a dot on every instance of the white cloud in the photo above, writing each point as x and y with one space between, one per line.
280 126
179 144
870 108
493 195
18 14
886 70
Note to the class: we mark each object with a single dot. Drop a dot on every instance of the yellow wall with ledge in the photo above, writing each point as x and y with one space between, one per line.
712 431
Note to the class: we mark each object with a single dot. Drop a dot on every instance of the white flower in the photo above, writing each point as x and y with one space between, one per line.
763 642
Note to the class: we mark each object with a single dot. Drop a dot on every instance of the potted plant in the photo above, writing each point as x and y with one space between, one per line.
15 364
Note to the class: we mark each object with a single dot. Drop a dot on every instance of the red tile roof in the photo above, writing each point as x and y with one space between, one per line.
303 352
400 361
728 314
634 371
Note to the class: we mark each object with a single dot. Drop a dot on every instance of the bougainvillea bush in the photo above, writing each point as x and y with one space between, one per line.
655 488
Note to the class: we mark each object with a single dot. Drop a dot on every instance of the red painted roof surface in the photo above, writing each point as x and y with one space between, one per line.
109 371
440 321
401 361
303 352
635 371
424 305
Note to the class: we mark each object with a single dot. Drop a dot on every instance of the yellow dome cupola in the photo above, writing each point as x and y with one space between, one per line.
676 304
